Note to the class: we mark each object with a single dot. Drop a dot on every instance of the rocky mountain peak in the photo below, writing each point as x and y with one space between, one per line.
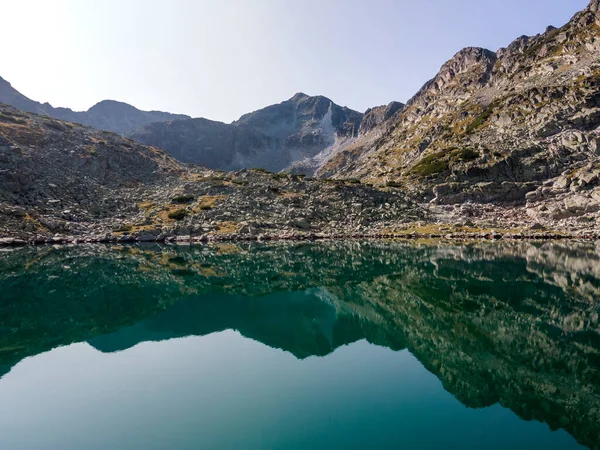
107 115
271 138
108 104
317 105
469 56
473 60
298 97
10 96
374 117
587 17
468 69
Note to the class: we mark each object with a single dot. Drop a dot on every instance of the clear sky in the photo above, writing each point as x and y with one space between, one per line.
222 58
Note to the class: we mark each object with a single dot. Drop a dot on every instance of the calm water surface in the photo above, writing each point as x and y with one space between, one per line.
342 345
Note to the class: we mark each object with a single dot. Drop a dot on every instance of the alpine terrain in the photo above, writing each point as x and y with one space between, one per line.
497 144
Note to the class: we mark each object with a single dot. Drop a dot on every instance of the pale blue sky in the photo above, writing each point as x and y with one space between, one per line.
221 58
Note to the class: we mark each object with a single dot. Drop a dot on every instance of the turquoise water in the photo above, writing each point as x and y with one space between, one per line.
347 345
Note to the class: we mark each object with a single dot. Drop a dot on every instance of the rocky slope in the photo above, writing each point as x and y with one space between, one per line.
372 128
519 126
272 138
60 181
107 115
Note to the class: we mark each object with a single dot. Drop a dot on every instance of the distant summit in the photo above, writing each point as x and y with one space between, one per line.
271 138
107 115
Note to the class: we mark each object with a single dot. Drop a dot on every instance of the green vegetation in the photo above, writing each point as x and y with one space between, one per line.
393 184
534 49
239 182
339 180
207 202
274 175
178 214
431 167
432 164
10 118
57 126
439 162
467 154
183 199
210 179
556 50
261 170
482 118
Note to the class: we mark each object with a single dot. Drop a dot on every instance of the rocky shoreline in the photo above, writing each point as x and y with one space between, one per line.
203 239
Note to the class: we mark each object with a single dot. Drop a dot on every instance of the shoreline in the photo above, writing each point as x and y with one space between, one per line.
304 237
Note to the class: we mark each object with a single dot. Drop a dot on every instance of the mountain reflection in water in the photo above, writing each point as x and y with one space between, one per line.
509 323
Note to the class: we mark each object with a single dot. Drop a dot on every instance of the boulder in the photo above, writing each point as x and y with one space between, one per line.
300 223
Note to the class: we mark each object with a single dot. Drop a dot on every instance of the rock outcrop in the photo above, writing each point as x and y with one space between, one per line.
372 127
107 115
374 117
519 126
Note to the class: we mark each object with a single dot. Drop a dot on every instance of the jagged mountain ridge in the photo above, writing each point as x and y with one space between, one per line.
271 138
453 111
297 134
518 125
108 115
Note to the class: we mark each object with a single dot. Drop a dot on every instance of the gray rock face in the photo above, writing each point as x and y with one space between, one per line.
374 117
493 127
271 138
374 124
107 115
